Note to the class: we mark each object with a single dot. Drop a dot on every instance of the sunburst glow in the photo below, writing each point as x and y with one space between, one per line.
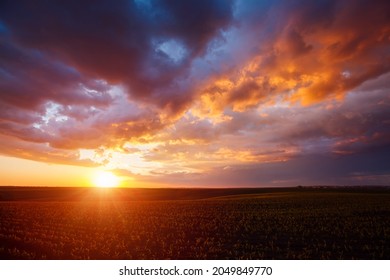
106 179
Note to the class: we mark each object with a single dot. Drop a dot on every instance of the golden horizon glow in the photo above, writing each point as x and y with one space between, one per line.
105 179
40 174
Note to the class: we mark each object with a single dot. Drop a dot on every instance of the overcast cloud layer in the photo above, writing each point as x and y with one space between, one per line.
200 93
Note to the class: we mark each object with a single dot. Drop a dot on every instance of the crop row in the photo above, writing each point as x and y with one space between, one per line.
305 227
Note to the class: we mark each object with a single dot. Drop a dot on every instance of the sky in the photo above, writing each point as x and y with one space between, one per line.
196 93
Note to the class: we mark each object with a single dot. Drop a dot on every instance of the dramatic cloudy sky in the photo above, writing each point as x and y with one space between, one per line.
198 93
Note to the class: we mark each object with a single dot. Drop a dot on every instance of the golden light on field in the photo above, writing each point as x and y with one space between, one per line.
105 179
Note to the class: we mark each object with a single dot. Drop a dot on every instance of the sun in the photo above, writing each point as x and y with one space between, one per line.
105 179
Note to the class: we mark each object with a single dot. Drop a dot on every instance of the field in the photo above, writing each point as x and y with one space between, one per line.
293 223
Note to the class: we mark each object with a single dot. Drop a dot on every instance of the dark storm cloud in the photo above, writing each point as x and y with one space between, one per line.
120 41
30 78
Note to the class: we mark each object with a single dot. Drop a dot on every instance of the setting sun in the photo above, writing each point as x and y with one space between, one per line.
106 179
